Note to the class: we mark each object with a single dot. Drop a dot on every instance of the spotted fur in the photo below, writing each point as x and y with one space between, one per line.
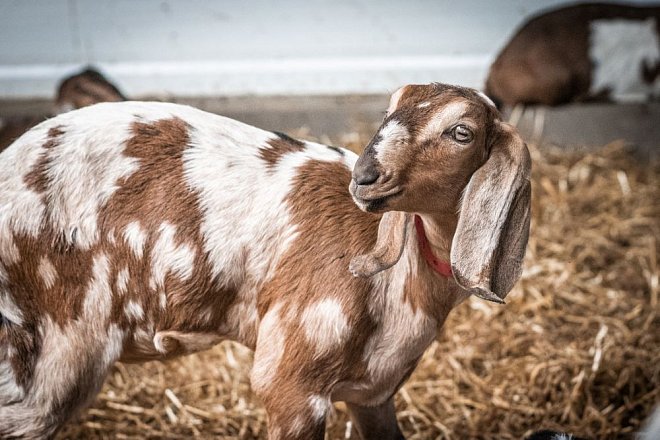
138 231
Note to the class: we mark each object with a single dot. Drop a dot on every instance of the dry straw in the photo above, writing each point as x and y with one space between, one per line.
577 347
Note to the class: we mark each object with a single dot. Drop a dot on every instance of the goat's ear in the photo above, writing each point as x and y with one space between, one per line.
392 233
493 224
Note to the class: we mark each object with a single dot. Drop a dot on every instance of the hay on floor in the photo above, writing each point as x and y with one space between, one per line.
577 347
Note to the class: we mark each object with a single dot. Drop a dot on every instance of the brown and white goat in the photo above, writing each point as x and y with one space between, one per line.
135 231
580 52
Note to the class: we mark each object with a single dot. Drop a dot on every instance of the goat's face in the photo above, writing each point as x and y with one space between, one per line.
443 150
433 138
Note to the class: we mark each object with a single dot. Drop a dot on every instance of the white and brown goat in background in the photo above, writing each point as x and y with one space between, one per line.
136 231
581 52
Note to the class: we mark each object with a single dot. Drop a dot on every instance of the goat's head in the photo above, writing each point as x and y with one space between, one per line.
443 149
84 89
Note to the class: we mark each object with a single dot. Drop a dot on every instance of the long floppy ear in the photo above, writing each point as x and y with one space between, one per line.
493 224
392 233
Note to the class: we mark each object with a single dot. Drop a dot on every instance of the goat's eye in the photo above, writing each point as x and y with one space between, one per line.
462 134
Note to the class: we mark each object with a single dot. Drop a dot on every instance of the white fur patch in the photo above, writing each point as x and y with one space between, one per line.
401 335
47 272
269 351
84 171
122 281
485 98
9 253
297 425
111 237
447 116
325 325
166 257
99 293
113 346
10 391
21 209
617 50
9 309
135 238
250 248
162 300
392 136
651 430
134 311
79 352
319 405
394 100
423 104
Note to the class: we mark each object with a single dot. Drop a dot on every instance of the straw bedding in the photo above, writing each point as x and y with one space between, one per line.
577 347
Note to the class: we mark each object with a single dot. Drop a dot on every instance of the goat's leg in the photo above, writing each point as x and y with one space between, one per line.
375 422
294 414
62 375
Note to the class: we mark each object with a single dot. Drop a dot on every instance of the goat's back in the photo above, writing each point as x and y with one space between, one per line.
148 214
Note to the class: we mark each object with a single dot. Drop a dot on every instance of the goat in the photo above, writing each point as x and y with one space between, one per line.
137 231
85 88
580 52
76 91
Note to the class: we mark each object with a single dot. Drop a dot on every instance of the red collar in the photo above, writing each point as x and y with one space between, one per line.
442 267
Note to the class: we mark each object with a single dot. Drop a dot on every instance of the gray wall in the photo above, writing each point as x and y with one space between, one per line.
262 47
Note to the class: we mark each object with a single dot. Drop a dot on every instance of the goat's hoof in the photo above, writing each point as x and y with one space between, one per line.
364 266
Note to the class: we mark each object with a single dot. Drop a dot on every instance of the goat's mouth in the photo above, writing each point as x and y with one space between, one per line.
373 197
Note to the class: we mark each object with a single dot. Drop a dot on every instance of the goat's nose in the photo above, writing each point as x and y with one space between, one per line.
365 174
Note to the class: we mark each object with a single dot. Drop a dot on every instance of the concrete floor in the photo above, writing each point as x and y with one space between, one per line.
573 126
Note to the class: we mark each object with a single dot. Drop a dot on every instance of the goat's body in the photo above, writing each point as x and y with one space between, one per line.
137 231
580 52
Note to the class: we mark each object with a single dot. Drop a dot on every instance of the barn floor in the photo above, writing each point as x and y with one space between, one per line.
577 347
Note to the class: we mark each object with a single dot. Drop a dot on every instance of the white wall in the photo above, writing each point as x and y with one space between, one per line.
204 47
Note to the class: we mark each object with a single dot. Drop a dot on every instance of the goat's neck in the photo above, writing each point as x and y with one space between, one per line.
439 229
413 281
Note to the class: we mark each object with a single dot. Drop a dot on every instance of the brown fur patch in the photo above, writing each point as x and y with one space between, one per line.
26 344
426 290
279 147
332 230
155 194
37 179
547 61
87 88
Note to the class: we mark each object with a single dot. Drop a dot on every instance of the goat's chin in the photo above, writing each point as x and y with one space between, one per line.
374 206
372 203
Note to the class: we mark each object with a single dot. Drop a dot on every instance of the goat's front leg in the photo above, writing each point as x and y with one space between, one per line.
294 414
296 409
375 422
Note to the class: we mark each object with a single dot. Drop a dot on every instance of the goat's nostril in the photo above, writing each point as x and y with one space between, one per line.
366 170
366 176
